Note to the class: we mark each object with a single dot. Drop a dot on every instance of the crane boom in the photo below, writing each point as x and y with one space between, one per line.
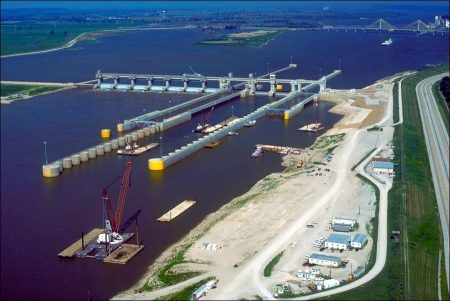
122 197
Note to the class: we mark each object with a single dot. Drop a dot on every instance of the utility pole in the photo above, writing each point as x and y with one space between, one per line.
160 145
45 152
268 70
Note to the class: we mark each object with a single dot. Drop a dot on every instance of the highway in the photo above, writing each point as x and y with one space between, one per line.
437 141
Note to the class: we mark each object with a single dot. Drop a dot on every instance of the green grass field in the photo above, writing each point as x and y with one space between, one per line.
29 90
186 293
31 36
269 268
411 270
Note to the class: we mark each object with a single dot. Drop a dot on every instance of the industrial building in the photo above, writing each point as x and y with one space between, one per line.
358 240
337 241
341 228
382 166
325 260
344 221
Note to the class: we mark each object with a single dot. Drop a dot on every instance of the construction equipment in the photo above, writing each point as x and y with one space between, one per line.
112 222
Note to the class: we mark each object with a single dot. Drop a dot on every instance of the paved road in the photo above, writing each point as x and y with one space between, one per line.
437 140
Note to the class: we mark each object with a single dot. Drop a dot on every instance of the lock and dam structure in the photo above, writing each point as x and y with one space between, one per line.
216 90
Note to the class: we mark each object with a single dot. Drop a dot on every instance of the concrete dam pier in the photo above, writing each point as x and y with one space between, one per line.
147 124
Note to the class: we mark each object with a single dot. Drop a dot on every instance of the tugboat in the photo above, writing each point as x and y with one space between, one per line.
213 144
258 152
200 128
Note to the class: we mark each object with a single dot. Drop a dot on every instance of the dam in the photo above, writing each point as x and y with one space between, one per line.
148 124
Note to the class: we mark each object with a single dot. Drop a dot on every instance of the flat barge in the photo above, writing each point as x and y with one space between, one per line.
284 150
88 247
213 128
135 151
177 210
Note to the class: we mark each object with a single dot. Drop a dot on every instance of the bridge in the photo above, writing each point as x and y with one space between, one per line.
382 25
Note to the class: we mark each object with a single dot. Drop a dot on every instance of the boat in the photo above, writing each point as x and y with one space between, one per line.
135 149
387 42
211 129
213 144
250 123
258 152
232 133
200 128
312 127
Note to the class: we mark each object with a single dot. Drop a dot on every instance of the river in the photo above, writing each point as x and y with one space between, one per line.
40 217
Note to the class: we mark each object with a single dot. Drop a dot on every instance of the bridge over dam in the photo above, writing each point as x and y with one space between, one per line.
148 124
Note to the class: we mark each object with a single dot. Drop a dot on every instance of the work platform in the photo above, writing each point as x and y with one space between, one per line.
177 210
70 251
123 253
111 253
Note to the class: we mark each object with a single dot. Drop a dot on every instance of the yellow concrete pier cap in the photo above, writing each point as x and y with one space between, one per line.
105 133
155 164
279 87
50 170
286 115
120 127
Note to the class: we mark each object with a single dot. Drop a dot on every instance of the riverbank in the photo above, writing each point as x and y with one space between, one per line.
245 226
13 92
89 36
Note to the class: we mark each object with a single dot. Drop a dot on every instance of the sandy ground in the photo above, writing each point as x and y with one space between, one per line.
285 202
250 34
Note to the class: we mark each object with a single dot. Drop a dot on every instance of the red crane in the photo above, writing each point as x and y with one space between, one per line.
116 219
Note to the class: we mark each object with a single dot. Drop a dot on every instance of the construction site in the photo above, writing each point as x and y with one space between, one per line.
109 243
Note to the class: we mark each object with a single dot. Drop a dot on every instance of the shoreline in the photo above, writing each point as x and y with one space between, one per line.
186 243
82 35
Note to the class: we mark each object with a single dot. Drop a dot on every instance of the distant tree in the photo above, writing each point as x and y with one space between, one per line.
445 89
52 32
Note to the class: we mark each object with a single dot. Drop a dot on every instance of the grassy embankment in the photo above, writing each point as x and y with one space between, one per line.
186 293
442 105
163 275
36 36
28 90
255 40
269 267
411 270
